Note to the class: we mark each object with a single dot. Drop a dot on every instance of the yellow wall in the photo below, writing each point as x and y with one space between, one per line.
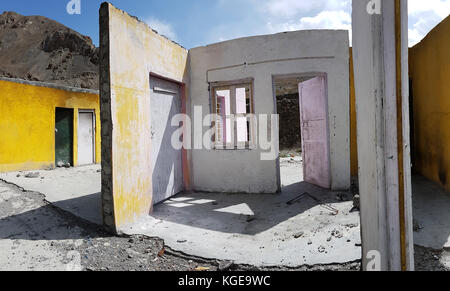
430 74
27 124
353 132
135 52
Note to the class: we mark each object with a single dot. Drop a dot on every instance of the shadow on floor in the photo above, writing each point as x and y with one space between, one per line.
51 221
431 212
88 207
248 214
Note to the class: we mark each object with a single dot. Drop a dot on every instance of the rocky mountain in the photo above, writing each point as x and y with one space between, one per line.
36 48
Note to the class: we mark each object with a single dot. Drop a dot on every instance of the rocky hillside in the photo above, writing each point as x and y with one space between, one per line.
36 48
288 107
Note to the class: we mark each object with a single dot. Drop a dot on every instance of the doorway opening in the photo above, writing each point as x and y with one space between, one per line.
64 137
86 137
303 130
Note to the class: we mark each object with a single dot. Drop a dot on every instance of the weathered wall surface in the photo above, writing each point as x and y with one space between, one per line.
129 52
380 56
27 122
262 58
430 75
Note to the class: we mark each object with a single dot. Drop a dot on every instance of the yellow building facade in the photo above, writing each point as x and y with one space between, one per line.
27 123
126 77
430 92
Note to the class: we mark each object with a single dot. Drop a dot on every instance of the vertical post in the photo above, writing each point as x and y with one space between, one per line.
399 99
106 120
380 55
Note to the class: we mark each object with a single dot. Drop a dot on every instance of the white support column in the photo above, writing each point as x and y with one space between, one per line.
380 53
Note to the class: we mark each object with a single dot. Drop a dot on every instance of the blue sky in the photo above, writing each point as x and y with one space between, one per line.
199 22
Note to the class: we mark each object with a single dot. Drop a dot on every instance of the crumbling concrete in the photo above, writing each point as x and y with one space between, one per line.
76 190
261 230
214 226
256 230
36 235
31 234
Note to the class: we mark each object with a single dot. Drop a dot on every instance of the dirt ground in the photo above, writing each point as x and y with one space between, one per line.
432 260
35 235
329 238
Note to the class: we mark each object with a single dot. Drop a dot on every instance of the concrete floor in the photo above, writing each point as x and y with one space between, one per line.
260 230
77 190
36 236
33 236
431 212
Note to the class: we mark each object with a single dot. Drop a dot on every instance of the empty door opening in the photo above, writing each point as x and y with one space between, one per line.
64 137
86 138
166 161
303 130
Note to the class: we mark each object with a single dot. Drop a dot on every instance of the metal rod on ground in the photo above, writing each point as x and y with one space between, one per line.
290 202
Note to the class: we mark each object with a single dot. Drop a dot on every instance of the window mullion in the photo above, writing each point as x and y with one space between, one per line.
233 113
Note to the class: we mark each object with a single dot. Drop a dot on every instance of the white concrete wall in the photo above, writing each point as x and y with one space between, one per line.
262 58
374 55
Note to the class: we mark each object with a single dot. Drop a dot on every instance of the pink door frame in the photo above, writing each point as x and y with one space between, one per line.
315 131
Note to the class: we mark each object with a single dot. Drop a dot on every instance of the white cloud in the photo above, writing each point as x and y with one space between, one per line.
292 8
272 16
440 7
163 28
323 20
424 16
289 15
